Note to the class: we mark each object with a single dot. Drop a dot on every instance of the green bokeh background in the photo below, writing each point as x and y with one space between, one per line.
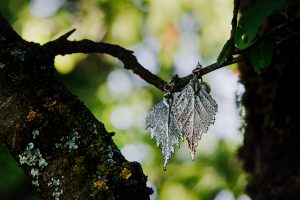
167 36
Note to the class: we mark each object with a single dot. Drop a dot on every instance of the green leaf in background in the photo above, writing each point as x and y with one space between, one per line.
261 55
251 20
222 58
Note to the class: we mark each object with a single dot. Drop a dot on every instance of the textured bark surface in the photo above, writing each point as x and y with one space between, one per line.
271 149
56 140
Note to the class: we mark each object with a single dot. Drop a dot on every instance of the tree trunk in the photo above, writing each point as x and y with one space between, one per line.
271 149
56 140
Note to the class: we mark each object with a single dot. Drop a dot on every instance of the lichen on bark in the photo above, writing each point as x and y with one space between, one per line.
82 160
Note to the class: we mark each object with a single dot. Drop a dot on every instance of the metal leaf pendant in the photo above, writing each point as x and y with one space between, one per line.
164 127
187 114
195 110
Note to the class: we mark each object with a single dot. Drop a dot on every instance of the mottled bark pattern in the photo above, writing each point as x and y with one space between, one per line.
56 140
271 149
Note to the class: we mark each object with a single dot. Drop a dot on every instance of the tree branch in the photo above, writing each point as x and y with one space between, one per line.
62 46
57 141
185 80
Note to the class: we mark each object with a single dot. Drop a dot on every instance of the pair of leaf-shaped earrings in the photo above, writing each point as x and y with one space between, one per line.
186 114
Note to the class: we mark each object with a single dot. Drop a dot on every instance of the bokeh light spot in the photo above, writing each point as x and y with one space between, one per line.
45 8
119 83
121 117
139 152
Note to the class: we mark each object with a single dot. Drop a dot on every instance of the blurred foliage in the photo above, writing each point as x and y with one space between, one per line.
261 55
251 20
248 28
167 36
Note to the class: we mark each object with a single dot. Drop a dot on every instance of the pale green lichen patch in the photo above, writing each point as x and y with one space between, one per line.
110 154
2 65
57 145
71 141
95 129
33 158
35 176
54 184
35 133
18 53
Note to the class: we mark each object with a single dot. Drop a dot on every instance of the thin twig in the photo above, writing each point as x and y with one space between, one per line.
231 49
236 7
66 35
185 80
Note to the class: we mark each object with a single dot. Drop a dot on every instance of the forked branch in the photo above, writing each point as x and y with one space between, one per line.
62 46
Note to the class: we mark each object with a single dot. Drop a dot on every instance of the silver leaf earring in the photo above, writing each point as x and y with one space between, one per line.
187 114
164 127
195 111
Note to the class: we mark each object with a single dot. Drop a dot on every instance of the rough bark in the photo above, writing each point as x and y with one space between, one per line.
271 149
57 141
